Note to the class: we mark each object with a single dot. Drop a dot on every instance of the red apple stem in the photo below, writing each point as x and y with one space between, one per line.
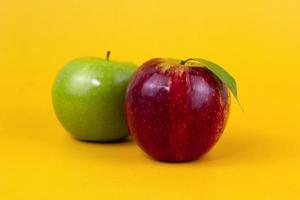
107 55
185 61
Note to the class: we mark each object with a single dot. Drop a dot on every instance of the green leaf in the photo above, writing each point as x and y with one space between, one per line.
224 76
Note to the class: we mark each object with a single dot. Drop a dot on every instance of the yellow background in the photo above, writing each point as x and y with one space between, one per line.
257 41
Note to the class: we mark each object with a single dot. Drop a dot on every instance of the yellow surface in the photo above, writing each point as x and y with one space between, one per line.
257 41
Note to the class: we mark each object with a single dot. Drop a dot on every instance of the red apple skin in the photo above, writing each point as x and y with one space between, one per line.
176 112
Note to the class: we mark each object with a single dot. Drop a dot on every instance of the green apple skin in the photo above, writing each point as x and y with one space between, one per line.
88 98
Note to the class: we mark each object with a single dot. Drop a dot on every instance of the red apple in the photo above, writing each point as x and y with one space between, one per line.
176 110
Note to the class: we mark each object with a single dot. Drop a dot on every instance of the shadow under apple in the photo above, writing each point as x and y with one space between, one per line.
235 147
239 146
121 152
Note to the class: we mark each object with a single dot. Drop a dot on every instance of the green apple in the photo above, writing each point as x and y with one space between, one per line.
88 98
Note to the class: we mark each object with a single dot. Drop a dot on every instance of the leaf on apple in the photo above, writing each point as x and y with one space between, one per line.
223 75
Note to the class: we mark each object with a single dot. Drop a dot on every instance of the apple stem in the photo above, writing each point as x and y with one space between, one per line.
185 61
107 55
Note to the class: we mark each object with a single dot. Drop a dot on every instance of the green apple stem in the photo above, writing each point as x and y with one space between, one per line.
107 55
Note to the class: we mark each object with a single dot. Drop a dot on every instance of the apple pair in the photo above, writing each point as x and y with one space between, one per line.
175 110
